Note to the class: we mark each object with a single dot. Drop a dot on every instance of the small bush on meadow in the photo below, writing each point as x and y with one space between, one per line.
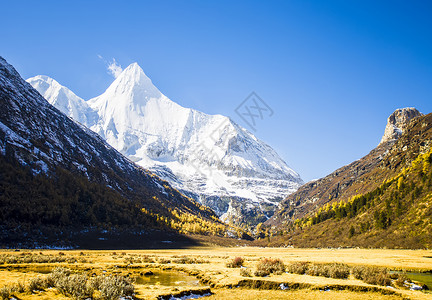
314 270
299 267
28 258
376 275
319 270
267 266
164 261
358 271
76 286
183 260
236 262
95 282
79 286
18 287
331 270
5 293
401 279
57 276
188 260
11 260
339 271
37 284
147 259
245 272
113 287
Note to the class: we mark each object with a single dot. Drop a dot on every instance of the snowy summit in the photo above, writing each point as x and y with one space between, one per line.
208 157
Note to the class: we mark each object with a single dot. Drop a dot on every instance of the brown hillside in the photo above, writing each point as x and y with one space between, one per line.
380 200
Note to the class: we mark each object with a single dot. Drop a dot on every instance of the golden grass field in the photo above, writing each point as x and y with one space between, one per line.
226 283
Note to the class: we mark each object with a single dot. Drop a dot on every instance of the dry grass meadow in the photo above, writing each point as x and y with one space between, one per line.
205 269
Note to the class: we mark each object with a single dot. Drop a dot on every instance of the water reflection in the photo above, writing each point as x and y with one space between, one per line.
425 278
167 278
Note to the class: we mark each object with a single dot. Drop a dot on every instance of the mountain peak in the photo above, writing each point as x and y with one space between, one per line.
209 157
397 123
133 70
134 73
64 99
44 83
132 84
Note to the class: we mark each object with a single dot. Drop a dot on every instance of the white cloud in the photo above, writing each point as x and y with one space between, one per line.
113 67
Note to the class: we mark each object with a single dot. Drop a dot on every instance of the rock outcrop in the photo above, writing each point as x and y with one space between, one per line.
397 122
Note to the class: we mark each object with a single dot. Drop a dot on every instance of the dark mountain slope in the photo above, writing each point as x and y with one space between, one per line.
381 200
56 177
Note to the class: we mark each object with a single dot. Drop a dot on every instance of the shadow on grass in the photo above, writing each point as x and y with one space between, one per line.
128 241
93 239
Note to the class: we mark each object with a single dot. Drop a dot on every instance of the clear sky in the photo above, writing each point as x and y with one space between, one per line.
332 71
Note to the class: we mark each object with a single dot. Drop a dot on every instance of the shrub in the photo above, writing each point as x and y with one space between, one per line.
372 275
95 282
130 260
261 273
245 272
76 286
11 260
332 270
237 262
400 281
338 271
188 260
31 258
267 266
81 287
183 260
18 287
57 276
37 284
358 272
376 275
5 292
147 259
112 287
164 261
319 270
314 270
298 267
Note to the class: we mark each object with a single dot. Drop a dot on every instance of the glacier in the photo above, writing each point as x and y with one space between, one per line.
208 157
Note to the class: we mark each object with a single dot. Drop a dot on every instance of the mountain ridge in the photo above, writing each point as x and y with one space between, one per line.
60 176
319 192
380 200
208 157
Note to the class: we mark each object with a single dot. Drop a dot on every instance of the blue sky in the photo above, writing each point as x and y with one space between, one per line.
332 71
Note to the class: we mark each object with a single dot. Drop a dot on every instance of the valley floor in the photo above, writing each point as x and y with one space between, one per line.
203 270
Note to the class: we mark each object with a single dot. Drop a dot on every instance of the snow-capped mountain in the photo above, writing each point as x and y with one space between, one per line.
209 157
64 100
57 173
